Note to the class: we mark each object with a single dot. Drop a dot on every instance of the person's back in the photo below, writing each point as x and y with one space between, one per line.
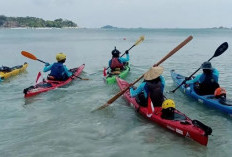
155 91
208 84
58 70
151 88
207 81
117 62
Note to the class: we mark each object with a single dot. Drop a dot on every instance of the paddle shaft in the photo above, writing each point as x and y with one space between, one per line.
141 39
128 50
161 61
41 61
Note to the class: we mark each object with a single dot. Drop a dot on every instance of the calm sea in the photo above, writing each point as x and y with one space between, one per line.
60 123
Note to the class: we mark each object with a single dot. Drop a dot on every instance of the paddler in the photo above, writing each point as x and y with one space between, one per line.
207 82
152 87
117 63
59 71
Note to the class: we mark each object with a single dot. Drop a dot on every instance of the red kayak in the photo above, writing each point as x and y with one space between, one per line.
181 124
47 85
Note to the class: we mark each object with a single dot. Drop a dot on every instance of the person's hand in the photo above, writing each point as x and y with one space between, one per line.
132 87
47 64
186 78
127 52
186 85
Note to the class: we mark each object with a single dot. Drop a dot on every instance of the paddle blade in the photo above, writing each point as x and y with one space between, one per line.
28 55
139 41
222 48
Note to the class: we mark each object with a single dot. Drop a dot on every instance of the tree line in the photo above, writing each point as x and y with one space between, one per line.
11 22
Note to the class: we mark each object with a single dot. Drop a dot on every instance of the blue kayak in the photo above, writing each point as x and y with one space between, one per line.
208 100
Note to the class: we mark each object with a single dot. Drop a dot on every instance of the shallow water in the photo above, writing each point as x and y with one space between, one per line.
60 122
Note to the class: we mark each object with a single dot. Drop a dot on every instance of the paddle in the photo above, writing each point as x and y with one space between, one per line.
220 50
33 57
161 61
141 39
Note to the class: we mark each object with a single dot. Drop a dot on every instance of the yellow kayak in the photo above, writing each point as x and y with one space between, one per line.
6 72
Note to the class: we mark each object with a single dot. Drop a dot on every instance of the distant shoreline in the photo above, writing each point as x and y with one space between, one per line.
34 22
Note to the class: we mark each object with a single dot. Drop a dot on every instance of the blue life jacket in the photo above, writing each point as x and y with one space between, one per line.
58 71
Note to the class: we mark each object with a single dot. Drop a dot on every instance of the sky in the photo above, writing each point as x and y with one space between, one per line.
126 13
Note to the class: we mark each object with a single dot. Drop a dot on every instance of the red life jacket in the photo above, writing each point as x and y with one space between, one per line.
115 63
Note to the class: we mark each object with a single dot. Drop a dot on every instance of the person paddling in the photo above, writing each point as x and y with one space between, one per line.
207 81
151 88
117 63
59 71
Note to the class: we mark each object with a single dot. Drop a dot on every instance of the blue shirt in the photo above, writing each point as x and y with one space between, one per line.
201 77
48 68
141 88
122 60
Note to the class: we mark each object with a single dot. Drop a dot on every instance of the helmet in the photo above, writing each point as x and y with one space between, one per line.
219 92
168 103
206 65
60 57
115 52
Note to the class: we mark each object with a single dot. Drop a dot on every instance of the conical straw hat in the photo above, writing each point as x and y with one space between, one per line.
153 73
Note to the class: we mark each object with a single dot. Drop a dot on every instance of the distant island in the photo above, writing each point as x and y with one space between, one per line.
14 22
109 27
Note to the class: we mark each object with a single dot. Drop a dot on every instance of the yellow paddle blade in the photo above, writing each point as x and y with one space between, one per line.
28 55
140 40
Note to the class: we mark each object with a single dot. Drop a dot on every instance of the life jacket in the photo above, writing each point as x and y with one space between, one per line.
208 85
115 63
154 90
5 69
58 71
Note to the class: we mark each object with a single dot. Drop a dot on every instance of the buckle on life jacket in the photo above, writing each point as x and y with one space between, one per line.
115 72
49 77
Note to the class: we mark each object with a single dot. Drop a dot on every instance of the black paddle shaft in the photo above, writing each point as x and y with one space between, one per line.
41 61
222 48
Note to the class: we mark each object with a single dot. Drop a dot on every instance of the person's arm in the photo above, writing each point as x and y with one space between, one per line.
139 89
196 79
123 60
216 74
47 67
110 62
162 82
69 73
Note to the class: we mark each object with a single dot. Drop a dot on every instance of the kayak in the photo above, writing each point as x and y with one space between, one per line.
181 124
6 72
111 78
208 100
47 85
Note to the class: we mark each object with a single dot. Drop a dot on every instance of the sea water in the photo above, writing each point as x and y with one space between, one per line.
60 123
